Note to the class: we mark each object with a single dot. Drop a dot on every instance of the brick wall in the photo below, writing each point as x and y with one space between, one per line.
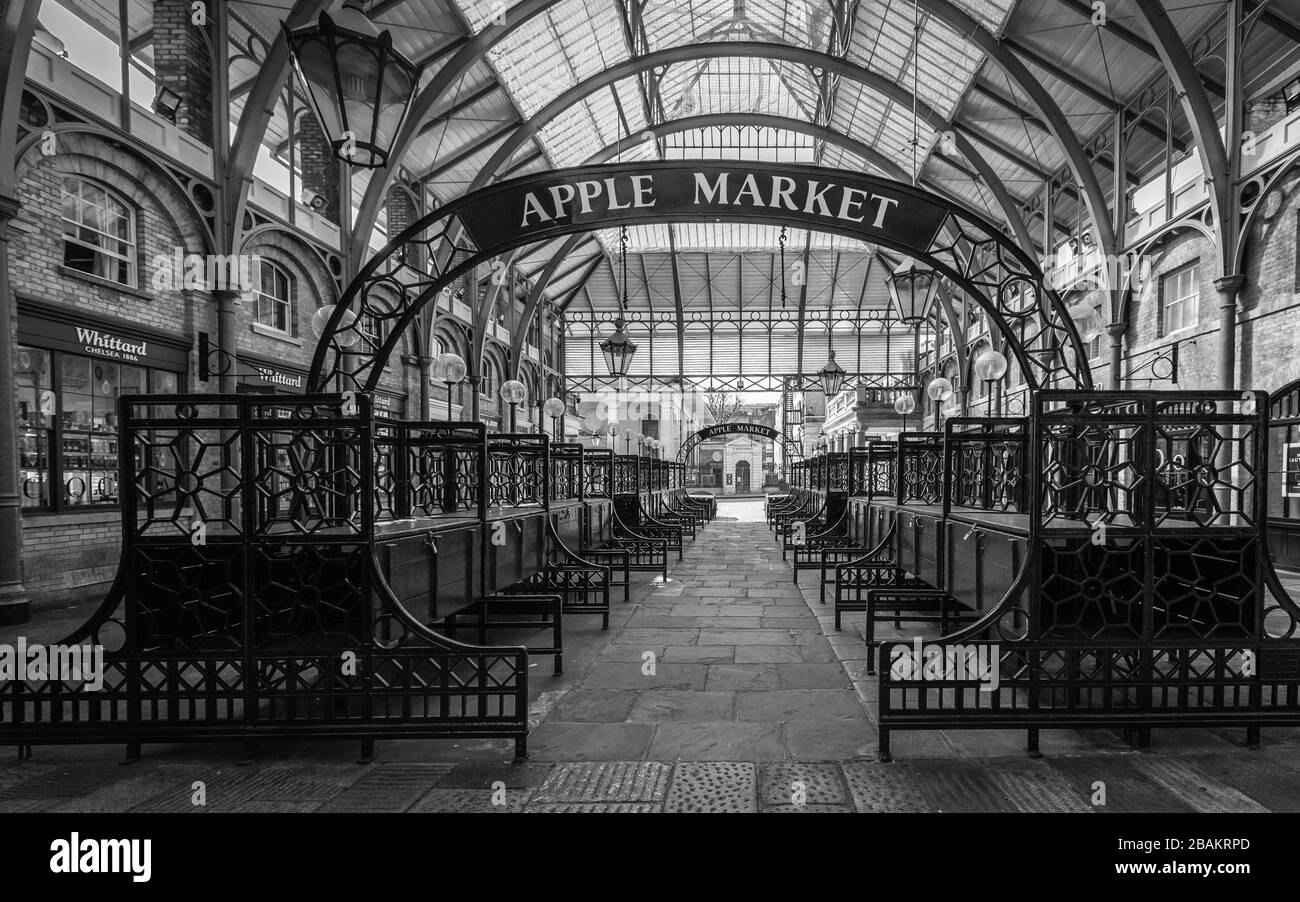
72 556
1198 346
1270 302
320 167
183 64
402 212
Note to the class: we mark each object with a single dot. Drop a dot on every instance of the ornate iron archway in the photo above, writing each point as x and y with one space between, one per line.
792 450
958 243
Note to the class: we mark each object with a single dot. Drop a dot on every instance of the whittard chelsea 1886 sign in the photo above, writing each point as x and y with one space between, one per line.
868 208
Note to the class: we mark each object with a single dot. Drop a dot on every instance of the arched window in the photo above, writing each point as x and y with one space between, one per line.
98 232
492 377
274 308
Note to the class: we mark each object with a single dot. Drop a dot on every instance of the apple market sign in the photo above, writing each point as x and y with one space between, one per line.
792 450
860 205
962 246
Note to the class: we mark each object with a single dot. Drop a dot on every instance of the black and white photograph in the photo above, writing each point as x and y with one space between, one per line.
468 407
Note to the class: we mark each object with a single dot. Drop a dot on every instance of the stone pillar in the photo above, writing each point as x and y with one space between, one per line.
183 64
1116 332
320 167
227 341
15 607
426 373
1229 287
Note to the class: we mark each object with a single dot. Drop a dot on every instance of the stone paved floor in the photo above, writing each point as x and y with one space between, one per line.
754 703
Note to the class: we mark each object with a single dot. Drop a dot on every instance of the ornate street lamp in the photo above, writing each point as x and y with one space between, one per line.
613 432
359 86
513 393
554 408
449 368
618 349
832 376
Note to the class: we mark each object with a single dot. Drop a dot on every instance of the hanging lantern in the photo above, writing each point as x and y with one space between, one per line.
618 349
912 288
832 376
360 88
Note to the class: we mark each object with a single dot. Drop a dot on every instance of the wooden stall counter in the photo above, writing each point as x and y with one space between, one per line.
431 563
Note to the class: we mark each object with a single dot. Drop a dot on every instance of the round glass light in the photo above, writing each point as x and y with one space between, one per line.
344 336
904 404
939 389
1087 320
553 408
513 392
990 365
450 367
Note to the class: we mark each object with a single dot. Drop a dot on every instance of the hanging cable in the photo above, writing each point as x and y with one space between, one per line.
622 253
782 242
916 78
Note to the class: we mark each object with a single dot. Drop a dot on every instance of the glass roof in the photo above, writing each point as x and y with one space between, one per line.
576 39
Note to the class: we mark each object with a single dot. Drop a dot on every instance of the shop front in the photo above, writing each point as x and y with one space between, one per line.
69 370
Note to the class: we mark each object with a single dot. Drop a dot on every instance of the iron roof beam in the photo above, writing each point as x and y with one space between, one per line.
1133 39
691 52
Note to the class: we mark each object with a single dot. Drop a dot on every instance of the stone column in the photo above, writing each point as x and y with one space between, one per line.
15 606
1116 332
227 341
1228 287
426 373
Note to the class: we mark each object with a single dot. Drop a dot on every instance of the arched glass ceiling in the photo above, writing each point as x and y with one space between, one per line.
577 39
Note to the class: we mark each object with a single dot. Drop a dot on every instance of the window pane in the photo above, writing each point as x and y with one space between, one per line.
36 406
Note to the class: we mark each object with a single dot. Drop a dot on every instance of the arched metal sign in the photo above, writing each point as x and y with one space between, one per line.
792 449
960 245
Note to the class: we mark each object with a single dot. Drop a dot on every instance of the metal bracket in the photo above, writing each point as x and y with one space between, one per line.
431 543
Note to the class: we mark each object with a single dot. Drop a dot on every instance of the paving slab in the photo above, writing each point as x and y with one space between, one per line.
748 677
594 706
717 742
713 787
678 705
605 781
590 741
798 704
